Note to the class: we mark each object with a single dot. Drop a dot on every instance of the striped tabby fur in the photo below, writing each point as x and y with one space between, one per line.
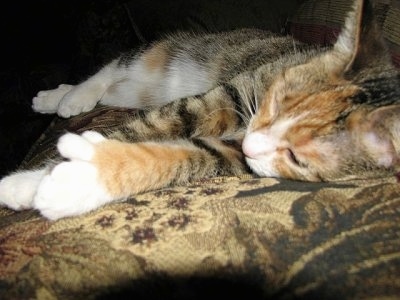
223 104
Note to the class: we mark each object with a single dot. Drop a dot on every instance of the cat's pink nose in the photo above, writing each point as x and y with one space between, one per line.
256 144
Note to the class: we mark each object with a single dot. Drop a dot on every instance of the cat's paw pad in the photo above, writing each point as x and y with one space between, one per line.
18 190
72 188
77 101
47 102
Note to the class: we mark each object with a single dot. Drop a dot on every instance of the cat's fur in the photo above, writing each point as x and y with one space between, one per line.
220 103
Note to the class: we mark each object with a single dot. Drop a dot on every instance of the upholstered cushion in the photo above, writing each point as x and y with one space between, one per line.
242 238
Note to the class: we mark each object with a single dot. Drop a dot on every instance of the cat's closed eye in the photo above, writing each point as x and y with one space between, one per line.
293 158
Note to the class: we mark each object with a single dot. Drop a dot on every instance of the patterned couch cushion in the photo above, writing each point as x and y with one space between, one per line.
237 237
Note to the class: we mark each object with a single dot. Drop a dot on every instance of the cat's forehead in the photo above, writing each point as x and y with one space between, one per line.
314 108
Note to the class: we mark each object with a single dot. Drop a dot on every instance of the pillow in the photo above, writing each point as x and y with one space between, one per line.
320 22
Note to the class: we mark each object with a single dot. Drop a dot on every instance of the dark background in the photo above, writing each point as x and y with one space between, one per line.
47 42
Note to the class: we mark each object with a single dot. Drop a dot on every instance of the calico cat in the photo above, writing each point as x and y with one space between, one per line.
221 104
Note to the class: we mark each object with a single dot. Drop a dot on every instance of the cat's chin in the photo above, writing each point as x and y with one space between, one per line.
262 167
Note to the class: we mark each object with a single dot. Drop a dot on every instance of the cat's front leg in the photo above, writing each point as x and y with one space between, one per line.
100 170
70 188
73 187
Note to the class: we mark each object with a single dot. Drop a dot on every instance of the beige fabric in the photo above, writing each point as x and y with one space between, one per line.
294 238
237 237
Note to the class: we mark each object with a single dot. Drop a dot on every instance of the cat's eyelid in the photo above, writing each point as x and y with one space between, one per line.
294 158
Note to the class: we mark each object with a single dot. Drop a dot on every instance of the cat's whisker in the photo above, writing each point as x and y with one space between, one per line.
245 119
249 107
248 98
255 99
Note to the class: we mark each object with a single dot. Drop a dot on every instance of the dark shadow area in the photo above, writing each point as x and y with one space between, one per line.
236 287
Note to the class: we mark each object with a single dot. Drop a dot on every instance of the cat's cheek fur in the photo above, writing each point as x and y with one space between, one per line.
263 166
381 150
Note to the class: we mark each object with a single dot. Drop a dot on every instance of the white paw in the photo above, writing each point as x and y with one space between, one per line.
18 190
47 102
74 146
79 147
93 136
80 99
72 188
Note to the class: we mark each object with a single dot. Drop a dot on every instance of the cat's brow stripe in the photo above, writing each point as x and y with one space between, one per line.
379 92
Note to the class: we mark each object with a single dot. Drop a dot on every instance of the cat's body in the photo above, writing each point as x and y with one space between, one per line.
219 104
181 65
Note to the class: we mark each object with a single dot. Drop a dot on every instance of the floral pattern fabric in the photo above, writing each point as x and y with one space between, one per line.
237 237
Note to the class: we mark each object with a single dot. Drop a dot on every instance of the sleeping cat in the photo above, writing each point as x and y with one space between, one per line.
223 104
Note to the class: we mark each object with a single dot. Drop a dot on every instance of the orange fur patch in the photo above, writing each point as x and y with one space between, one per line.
156 57
127 169
322 110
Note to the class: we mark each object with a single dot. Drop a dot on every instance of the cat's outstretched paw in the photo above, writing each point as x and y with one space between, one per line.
73 187
78 100
66 100
46 102
18 190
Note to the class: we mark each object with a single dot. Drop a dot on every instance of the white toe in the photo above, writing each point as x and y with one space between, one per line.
74 146
71 189
93 136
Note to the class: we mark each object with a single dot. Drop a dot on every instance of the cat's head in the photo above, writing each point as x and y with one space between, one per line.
338 115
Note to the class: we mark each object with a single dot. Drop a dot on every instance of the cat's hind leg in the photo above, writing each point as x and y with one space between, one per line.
71 100
46 102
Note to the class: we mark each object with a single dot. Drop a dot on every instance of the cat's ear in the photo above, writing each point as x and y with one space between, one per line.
378 132
360 43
